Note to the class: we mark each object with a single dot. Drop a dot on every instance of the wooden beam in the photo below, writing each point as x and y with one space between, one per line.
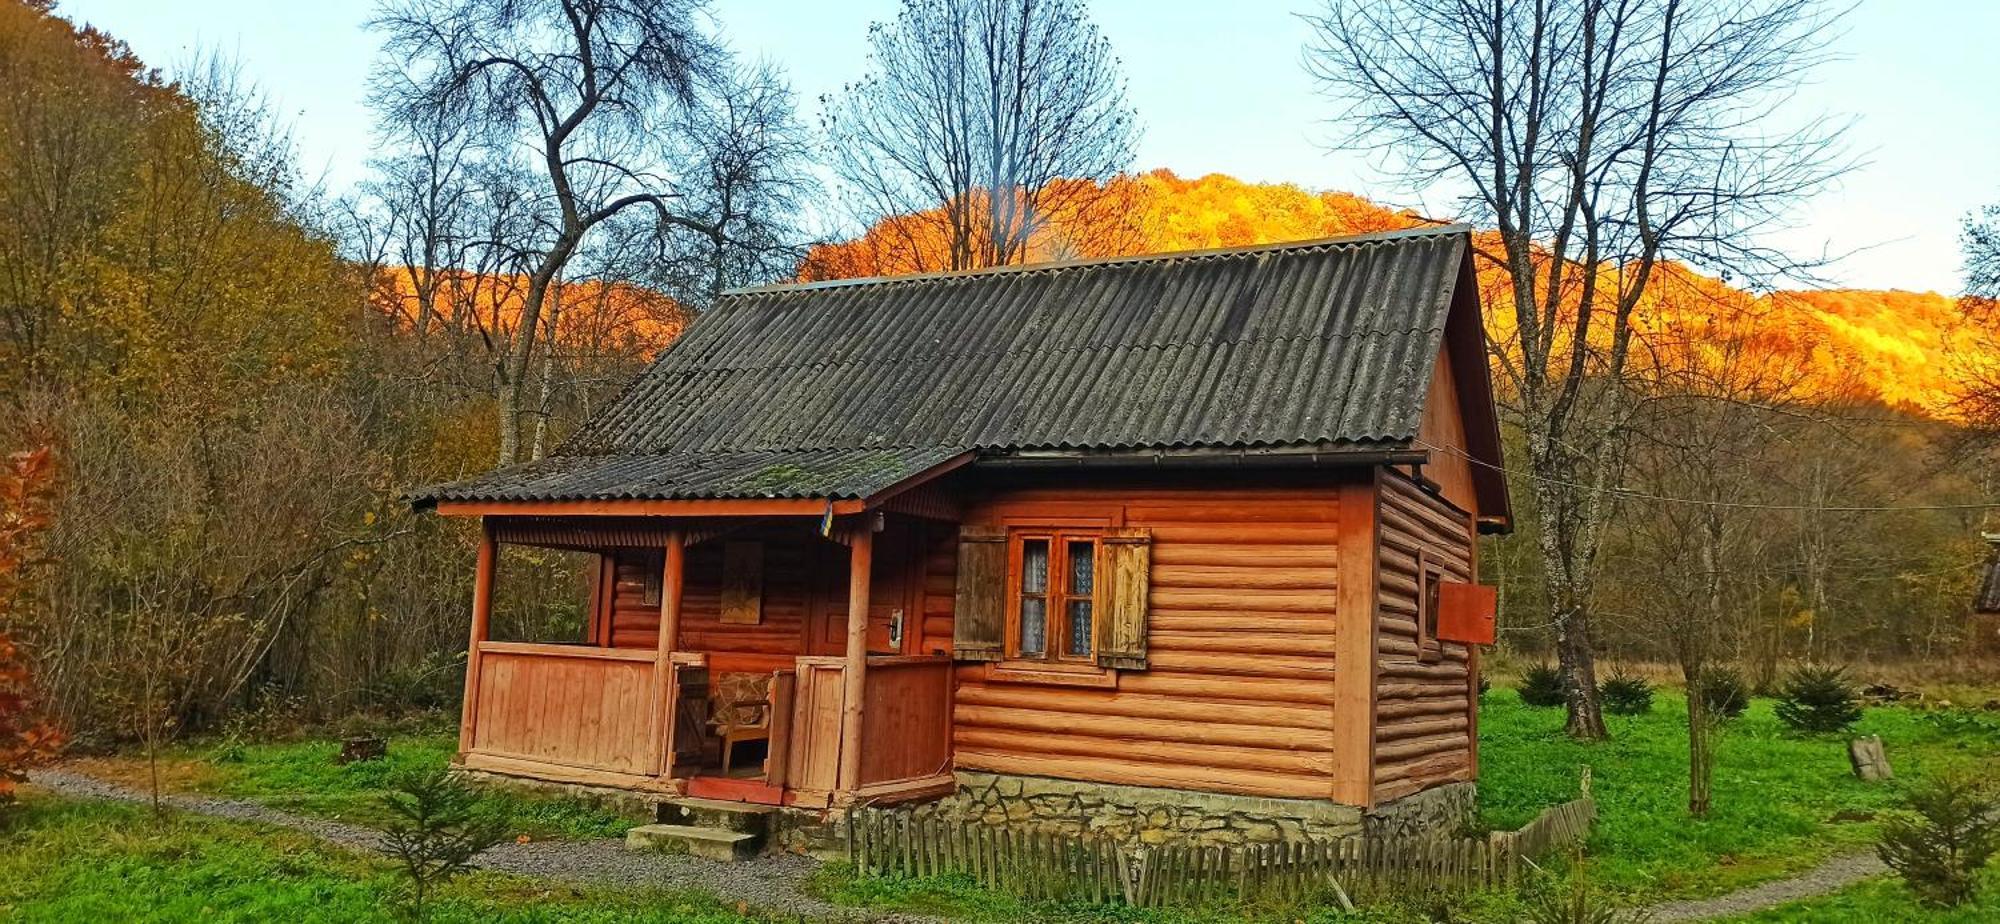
776 506
672 579
854 672
1355 642
482 614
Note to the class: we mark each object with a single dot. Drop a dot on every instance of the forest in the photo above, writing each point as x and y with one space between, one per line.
237 374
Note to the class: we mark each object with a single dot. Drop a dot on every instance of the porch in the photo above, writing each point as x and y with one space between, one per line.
717 660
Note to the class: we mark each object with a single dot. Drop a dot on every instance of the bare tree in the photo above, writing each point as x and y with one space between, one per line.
1601 139
1707 434
596 98
981 120
1978 372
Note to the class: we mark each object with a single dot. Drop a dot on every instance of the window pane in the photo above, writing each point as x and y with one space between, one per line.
1082 567
1433 585
1034 626
1035 566
1079 628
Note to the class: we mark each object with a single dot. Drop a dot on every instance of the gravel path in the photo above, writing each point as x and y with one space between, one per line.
773 883
1831 876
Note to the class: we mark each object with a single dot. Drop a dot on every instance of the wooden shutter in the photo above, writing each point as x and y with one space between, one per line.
979 618
1126 571
1466 612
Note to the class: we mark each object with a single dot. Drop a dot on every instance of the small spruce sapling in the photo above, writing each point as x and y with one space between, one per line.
1940 845
1624 694
1819 699
1542 686
437 828
1723 691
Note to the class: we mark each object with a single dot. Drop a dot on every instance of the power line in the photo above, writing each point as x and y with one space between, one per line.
1630 493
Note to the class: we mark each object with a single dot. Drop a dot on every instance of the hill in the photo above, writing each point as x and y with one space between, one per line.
1893 346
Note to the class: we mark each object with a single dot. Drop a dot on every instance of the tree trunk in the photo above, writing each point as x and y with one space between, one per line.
1701 759
1568 592
515 373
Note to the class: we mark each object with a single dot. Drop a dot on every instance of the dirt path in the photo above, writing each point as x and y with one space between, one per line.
772 883
1831 876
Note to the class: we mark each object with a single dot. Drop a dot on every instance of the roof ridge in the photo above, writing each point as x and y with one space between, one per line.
1336 242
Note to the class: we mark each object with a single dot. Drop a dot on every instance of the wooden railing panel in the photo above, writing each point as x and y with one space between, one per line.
814 758
906 732
577 707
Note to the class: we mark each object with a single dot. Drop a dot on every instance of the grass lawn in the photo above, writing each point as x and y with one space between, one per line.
70 860
302 776
1782 801
1882 901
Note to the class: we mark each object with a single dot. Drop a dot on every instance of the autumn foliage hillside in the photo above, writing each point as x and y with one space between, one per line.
591 316
1893 346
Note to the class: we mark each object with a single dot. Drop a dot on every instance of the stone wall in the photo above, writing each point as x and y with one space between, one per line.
1446 809
1141 814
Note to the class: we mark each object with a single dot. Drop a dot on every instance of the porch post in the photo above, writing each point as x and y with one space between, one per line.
482 613
671 580
861 553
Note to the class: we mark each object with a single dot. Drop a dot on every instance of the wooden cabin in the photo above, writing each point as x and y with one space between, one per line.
1191 530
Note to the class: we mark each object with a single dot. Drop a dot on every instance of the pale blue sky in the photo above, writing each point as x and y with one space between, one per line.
1219 88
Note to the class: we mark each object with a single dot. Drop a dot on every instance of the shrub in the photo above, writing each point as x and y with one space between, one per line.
1542 686
1626 695
25 485
1723 691
1573 901
1819 699
1941 843
437 828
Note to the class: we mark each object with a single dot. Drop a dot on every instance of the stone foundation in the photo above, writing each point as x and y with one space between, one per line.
1445 809
1140 814
625 803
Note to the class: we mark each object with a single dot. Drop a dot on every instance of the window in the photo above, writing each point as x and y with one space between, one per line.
1052 611
1429 589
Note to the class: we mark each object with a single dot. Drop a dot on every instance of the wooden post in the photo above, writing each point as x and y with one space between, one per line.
1354 668
482 614
861 555
672 577
1472 662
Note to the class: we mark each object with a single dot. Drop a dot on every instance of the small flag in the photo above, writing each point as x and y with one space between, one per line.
826 519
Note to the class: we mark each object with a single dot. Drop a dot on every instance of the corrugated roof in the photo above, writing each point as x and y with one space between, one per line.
1316 343
814 473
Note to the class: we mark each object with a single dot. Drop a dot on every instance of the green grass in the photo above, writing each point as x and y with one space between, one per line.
64 860
959 898
303 777
1782 801
1882 901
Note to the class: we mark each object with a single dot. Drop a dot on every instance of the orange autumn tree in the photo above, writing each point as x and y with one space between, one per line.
24 493
1886 346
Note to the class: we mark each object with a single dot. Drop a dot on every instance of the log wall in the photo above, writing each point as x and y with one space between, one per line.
1426 696
1238 696
804 596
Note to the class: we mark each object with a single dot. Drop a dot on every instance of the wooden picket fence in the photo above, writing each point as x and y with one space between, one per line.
1043 865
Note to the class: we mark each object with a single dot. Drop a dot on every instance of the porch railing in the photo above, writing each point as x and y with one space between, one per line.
567 705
